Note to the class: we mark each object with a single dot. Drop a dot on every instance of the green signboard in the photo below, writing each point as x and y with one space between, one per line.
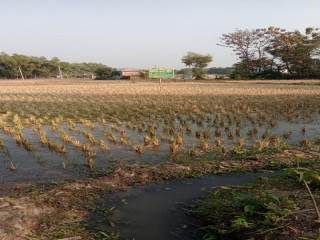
161 73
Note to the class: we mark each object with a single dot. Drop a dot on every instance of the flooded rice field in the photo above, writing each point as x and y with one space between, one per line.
67 151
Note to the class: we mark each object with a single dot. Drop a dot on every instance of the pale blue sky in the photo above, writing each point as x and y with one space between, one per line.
141 33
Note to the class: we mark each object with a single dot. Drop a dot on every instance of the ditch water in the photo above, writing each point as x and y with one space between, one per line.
44 165
159 211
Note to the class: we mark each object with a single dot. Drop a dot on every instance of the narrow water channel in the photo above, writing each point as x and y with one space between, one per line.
159 211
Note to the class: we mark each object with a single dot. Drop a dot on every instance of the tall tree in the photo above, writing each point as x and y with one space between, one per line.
104 72
296 53
8 66
198 62
250 46
273 50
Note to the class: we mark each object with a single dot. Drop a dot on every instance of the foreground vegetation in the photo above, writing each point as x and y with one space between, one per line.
269 208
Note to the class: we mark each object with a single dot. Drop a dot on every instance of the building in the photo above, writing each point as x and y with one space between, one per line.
57 75
128 73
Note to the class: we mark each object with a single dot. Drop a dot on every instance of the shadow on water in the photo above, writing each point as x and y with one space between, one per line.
158 211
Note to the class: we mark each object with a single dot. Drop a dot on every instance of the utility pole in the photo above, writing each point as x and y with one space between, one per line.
21 73
60 73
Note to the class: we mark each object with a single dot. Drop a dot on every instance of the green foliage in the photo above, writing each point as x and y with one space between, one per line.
40 67
305 174
104 72
198 62
237 211
274 53
241 222
239 151
295 50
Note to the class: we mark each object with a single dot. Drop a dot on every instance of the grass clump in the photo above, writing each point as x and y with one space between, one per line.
243 212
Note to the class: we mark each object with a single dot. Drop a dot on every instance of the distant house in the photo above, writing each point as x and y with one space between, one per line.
128 73
57 75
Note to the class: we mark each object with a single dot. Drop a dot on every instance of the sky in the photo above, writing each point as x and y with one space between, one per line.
141 33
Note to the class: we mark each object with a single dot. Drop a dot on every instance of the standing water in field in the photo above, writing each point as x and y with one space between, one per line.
158 211
65 151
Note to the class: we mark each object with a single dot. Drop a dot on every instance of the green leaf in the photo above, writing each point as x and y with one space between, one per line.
249 209
241 222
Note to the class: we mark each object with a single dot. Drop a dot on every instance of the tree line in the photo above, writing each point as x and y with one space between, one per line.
41 67
274 53
271 53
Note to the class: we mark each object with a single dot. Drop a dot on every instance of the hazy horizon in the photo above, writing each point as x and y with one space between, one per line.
141 34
